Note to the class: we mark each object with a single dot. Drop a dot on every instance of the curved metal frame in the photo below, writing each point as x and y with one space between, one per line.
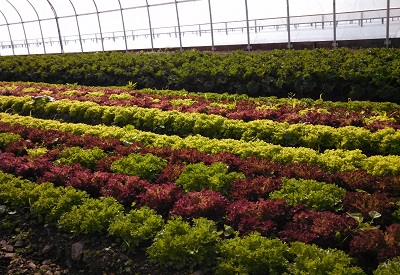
123 25
23 26
77 25
40 25
9 32
58 25
98 19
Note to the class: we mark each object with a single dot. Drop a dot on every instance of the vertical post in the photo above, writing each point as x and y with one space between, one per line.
387 42
58 26
362 19
212 29
334 44
247 26
179 26
123 26
150 28
288 24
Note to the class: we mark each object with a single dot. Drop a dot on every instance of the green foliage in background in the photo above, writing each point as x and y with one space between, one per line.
368 74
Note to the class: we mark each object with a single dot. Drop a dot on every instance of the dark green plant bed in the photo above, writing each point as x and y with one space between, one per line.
339 74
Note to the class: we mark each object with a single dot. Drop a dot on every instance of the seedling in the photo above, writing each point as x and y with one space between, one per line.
363 226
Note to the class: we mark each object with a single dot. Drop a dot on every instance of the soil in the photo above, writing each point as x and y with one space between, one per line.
28 246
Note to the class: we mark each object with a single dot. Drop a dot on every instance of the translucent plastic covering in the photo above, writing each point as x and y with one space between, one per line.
57 26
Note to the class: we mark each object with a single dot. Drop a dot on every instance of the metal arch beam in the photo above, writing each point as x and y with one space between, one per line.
123 26
23 26
151 30
77 24
98 19
179 26
40 26
58 25
9 32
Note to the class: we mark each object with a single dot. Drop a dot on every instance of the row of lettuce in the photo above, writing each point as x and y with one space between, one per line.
368 74
190 245
32 153
69 89
317 137
372 116
330 160
177 243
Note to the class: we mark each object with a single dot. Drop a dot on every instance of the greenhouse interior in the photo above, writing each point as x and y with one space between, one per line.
48 26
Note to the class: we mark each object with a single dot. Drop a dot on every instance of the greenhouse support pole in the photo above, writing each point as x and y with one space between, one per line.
123 25
387 41
288 24
9 32
334 44
23 26
40 26
150 28
179 26
58 26
98 19
247 26
211 24
77 25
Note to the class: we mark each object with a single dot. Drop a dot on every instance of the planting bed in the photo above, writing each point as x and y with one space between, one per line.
177 182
